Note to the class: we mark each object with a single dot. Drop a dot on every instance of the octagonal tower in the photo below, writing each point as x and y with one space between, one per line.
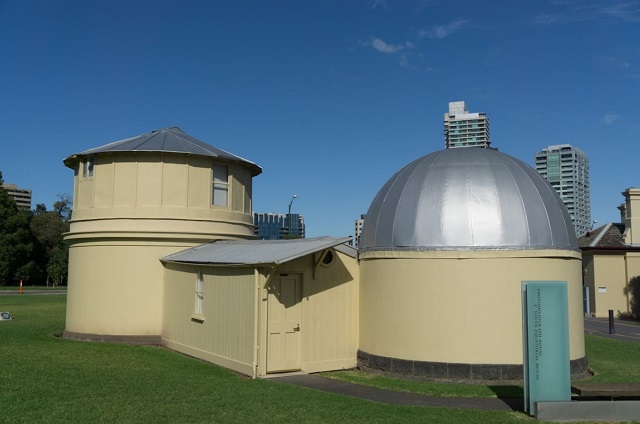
136 201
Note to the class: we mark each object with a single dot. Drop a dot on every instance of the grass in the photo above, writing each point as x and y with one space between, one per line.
612 361
50 379
25 287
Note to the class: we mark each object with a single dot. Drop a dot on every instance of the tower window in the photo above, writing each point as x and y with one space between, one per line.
87 168
220 192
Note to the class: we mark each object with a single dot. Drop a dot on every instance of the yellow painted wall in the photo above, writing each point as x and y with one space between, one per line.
134 210
116 288
632 216
226 333
458 307
609 284
234 295
329 311
633 279
588 279
162 186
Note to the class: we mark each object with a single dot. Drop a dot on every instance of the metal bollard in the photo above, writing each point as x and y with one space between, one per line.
612 328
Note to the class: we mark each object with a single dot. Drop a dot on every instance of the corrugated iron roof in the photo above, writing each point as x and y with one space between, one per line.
251 252
171 139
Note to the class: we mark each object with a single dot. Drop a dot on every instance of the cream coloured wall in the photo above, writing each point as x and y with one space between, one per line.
162 186
330 298
588 279
609 283
632 216
234 295
458 307
633 282
115 288
225 332
135 209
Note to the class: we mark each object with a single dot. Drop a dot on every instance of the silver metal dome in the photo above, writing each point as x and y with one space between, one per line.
467 198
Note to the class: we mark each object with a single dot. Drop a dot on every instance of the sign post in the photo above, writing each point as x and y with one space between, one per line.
545 342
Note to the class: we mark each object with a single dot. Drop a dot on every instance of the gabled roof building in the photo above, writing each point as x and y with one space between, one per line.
611 262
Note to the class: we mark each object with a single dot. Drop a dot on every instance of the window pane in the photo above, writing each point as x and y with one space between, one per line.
220 195
220 174
220 192
199 293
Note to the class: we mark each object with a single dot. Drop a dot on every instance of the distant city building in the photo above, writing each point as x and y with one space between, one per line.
278 226
567 170
20 195
464 129
358 231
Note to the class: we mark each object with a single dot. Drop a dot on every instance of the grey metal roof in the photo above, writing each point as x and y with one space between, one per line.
253 252
171 139
467 198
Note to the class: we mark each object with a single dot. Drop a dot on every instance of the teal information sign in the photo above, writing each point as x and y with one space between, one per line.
545 338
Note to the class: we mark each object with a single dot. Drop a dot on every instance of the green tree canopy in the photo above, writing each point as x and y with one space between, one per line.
16 241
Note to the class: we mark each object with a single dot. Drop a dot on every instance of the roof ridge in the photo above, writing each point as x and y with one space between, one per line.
595 241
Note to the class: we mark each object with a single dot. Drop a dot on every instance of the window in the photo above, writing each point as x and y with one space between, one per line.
199 295
327 258
220 192
87 168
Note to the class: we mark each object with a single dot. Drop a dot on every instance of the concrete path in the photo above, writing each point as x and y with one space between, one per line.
398 398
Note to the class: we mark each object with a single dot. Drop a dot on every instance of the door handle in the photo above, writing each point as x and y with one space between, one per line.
296 328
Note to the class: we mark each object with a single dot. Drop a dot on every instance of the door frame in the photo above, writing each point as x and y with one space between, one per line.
263 348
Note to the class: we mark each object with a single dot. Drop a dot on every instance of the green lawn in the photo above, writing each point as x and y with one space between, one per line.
613 361
49 379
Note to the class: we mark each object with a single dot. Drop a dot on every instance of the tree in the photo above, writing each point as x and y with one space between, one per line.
16 241
48 228
64 206
57 267
40 208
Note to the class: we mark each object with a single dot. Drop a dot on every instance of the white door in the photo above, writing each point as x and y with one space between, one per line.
284 312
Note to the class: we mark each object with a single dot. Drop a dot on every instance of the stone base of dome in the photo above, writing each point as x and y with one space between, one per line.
110 338
468 373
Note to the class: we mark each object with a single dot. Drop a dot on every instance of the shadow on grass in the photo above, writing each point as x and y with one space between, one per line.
511 395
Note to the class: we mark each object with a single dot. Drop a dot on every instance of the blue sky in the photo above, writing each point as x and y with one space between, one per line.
330 98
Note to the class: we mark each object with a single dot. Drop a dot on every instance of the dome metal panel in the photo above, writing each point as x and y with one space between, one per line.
467 198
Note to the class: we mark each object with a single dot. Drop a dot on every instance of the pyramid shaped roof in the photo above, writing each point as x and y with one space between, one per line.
171 139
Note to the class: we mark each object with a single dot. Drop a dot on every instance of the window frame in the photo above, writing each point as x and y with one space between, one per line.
87 166
218 185
198 307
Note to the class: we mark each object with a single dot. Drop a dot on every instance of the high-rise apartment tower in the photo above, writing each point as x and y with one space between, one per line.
278 226
567 170
464 129
358 231
22 196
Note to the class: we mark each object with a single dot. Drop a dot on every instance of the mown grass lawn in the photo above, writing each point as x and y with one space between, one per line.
49 379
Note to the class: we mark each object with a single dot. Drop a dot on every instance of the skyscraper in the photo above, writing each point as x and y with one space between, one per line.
464 129
22 196
278 226
567 170
358 231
